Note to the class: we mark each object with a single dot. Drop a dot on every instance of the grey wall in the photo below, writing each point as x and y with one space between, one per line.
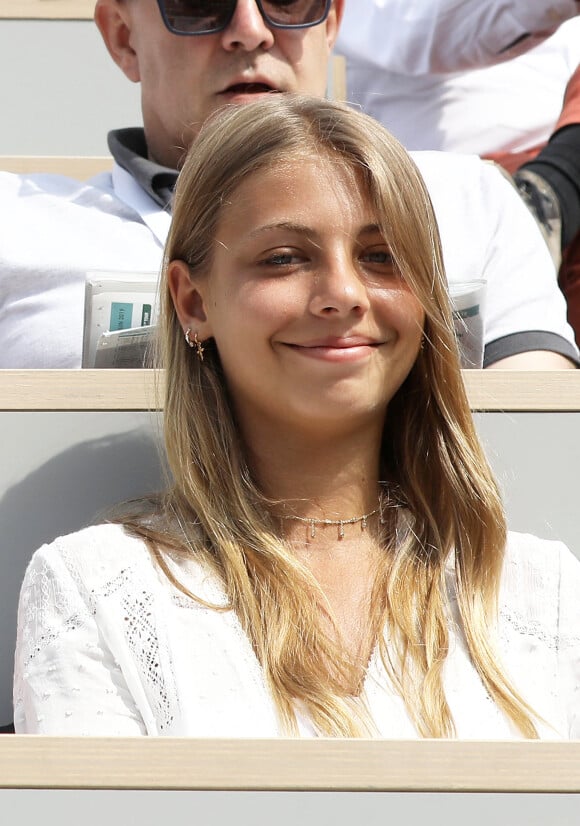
60 92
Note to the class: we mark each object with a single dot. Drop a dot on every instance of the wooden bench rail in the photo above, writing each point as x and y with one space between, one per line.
288 765
488 390
46 9
80 167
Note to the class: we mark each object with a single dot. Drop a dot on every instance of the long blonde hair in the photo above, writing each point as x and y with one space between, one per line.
453 512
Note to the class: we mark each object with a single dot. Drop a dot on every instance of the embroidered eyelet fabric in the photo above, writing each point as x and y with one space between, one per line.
107 646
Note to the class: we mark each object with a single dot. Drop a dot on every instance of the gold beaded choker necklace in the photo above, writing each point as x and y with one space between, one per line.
340 523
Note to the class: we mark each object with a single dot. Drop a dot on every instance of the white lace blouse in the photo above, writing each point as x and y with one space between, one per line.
106 646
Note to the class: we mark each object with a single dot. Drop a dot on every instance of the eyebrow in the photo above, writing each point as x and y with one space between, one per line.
371 229
302 229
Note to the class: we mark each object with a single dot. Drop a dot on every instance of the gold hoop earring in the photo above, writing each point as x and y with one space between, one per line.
195 343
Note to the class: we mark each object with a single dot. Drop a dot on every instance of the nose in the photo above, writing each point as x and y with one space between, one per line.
338 291
247 30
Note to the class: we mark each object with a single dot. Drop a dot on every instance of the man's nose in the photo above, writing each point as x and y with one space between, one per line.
247 29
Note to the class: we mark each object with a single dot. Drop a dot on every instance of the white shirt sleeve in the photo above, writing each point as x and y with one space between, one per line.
569 639
540 630
488 233
423 36
66 681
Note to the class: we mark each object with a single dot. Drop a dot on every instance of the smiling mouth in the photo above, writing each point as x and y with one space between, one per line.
336 352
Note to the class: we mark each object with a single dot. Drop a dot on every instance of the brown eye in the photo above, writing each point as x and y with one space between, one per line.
281 258
382 257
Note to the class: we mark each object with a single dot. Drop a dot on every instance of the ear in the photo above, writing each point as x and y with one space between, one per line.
333 21
114 21
189 299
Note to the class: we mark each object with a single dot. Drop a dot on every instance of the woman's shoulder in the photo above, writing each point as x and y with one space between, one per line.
536 574
539 622
529 554
101 545
92 561
107 559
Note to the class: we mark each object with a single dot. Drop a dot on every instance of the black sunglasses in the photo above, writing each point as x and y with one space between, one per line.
209 16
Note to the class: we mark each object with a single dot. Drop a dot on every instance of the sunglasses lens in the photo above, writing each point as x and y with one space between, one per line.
204 16
198 16
294 12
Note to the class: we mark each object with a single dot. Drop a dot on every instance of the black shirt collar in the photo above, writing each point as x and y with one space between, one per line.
129 149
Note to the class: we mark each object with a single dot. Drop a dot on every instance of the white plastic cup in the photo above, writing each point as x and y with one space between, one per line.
468 305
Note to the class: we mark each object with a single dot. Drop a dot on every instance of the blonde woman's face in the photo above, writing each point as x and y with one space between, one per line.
314 325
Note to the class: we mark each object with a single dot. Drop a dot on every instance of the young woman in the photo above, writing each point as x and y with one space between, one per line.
331 557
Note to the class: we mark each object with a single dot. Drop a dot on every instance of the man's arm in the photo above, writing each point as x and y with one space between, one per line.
418 37
488 233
